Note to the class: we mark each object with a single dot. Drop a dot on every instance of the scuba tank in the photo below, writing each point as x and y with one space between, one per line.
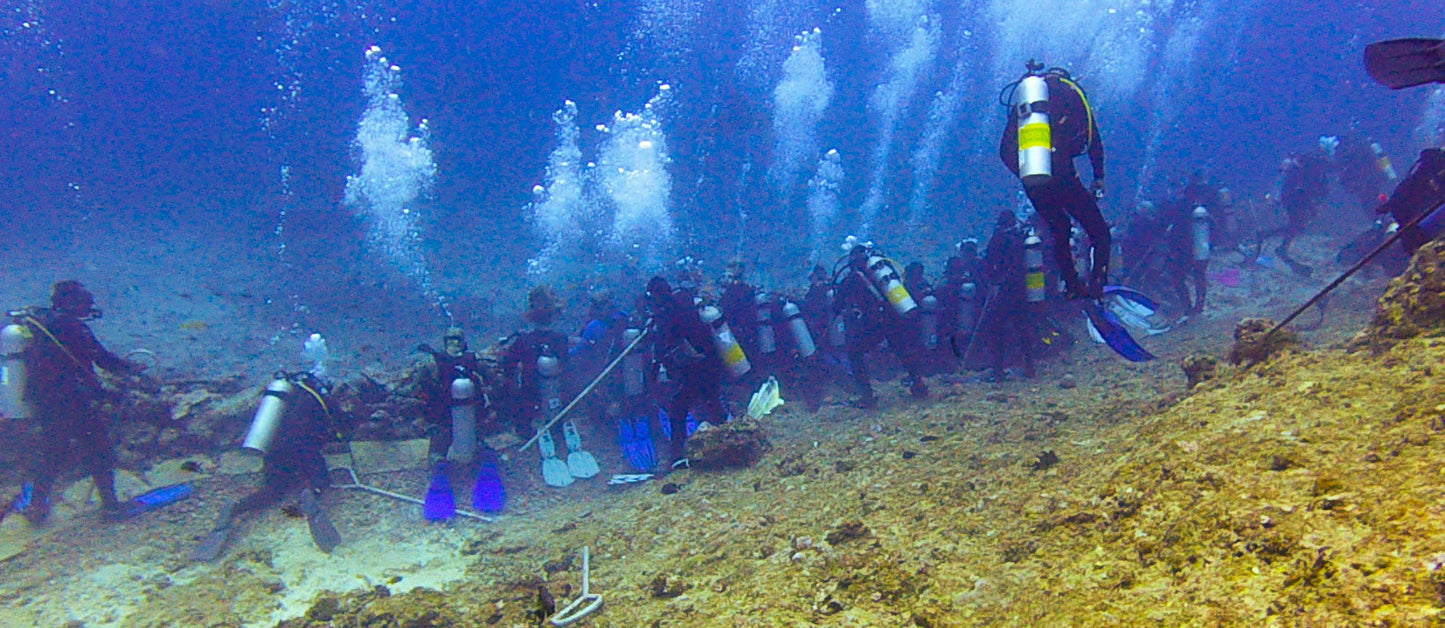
727 345
14 339
268 415
1034 268
634 382
928 322
1036 146
799 329
1382 161
464 420
549 384
1200 223
967 307
885 278
767 336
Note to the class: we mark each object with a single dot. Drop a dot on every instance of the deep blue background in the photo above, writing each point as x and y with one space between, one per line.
165 100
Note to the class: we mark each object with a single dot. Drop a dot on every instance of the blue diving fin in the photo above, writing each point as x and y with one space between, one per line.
1131 294
1112 330
157 498
489 495
646 450
440 504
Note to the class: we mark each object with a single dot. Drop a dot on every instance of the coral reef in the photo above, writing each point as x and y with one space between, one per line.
735 444
1414 303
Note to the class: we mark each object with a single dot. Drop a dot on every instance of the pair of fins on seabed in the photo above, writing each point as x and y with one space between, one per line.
489 495
1107 326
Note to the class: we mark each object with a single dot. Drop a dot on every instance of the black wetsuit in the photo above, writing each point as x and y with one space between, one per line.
683 345
1074 133
1181 268
519 372
1304 186
868 319
62 386
294 463
1420 191
1009 322
439 402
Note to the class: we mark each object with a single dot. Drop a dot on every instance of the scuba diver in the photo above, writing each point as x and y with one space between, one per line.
1304 183
61 386
295 420
875 307
739 305
533 365
454 390
1049 125
1009 319
456 379
958 295
685 353
927 324
1415 203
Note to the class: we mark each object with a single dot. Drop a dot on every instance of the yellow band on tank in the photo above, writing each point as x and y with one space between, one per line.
734 355
1034 280
1036 135
897 294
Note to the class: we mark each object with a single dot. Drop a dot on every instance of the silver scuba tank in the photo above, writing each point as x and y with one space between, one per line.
464 420
267 420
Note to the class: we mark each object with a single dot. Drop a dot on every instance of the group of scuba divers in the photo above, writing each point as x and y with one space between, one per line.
676 353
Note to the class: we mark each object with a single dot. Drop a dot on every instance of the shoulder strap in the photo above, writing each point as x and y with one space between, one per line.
34 322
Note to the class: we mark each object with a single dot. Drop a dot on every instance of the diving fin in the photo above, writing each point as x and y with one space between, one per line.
646 451
1132 296
1112 331
489 495
768 397
20 502
440 503
211 546
554 471
153 499
1401 63
323 533
632 444
580 462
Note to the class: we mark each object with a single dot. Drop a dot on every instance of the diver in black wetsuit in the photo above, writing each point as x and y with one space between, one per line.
63 388
440 388
868 320
527 351
1304 184
293 462
683 345
1009 322
1074 133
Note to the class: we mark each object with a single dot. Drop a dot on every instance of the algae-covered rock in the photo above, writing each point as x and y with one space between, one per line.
1198 369
734 444
1253 343
1414 304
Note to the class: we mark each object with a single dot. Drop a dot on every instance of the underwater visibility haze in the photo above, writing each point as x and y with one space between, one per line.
230 177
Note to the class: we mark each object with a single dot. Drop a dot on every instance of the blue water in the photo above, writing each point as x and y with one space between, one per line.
123 120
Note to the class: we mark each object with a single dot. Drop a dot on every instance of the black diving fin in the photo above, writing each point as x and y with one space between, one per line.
1112 330
1401 63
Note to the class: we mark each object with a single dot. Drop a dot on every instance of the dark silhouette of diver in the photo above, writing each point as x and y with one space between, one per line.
64 390
1074 133
294 462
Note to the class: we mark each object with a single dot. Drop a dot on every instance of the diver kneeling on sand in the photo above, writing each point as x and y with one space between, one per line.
292 424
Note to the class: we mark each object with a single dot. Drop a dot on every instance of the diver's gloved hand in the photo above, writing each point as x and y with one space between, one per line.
1098 187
